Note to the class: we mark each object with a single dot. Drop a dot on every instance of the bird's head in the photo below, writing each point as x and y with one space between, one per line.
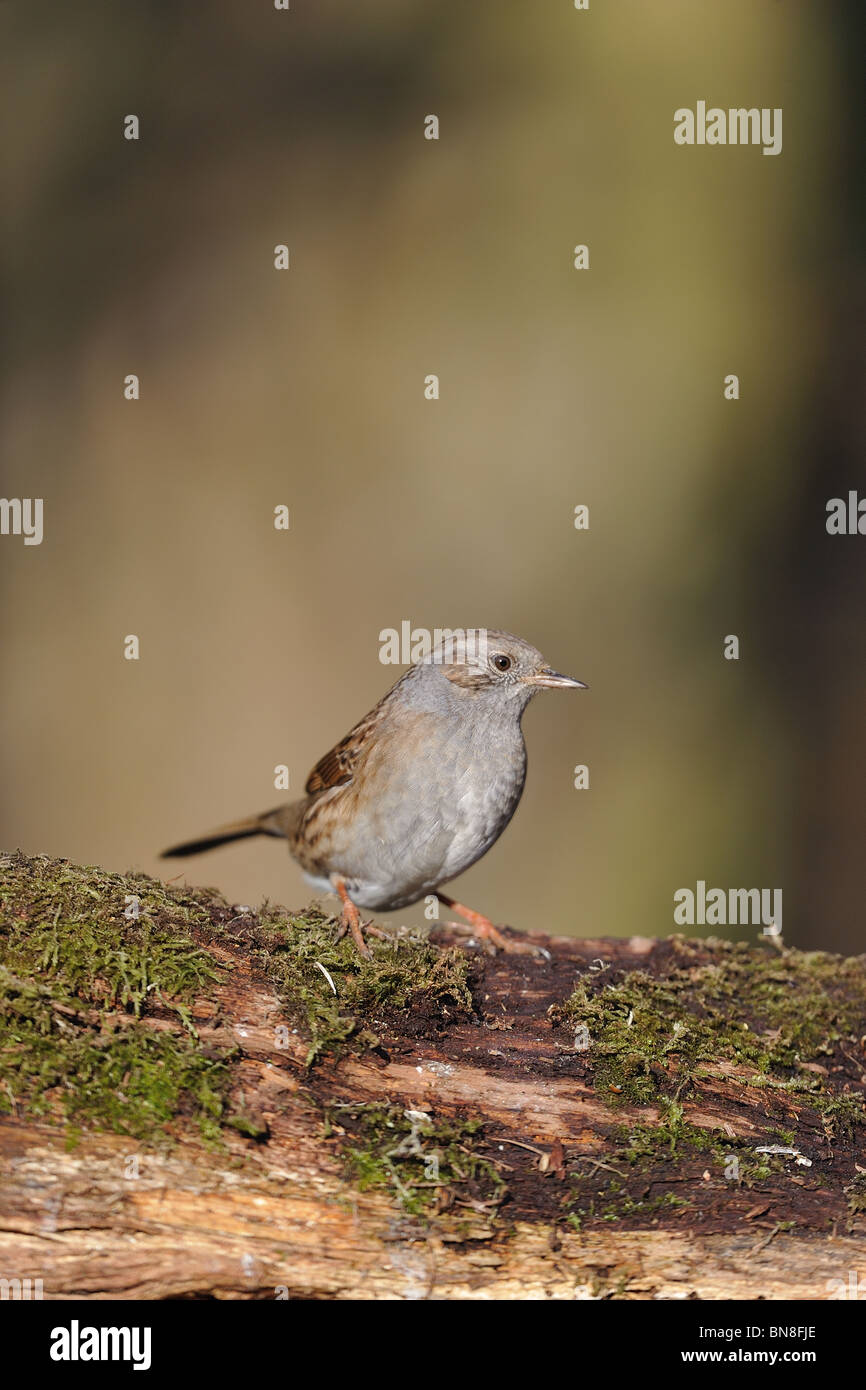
485 662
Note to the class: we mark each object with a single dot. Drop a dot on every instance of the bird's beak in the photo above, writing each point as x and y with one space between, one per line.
552 680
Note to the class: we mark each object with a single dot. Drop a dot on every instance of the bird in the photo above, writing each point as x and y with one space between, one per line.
419 789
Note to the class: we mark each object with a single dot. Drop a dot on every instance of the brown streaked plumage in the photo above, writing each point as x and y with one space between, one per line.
420 788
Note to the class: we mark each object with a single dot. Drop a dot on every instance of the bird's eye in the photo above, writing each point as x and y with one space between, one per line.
501 662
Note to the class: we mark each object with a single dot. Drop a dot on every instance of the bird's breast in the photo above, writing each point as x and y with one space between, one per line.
424 810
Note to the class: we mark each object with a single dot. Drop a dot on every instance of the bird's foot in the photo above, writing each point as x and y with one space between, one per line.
493 940
484 931
350 921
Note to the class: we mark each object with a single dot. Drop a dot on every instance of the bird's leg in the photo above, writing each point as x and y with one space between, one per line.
350 919
482 927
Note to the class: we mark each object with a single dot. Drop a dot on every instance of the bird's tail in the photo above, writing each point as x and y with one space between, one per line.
270 823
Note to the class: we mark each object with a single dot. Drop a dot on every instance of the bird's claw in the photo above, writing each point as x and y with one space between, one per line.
360 931
492 940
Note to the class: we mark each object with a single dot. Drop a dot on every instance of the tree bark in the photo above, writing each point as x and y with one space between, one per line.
560 1207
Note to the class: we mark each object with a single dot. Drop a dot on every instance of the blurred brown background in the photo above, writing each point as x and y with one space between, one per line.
558 387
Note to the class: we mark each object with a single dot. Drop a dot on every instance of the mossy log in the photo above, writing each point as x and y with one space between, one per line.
200 1100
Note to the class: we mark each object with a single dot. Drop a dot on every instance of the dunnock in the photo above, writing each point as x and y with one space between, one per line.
420 788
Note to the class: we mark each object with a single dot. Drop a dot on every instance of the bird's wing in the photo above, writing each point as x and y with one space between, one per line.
338 767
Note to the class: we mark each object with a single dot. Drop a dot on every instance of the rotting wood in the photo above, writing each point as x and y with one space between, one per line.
567 1202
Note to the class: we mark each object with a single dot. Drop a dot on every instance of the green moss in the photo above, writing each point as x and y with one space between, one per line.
87 957
644 1155
649 1036
759 1019
135 1083
405 971
614 1202
673 1134
841 1115
782 1136
76 976
856 1194
104 940
416 1157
